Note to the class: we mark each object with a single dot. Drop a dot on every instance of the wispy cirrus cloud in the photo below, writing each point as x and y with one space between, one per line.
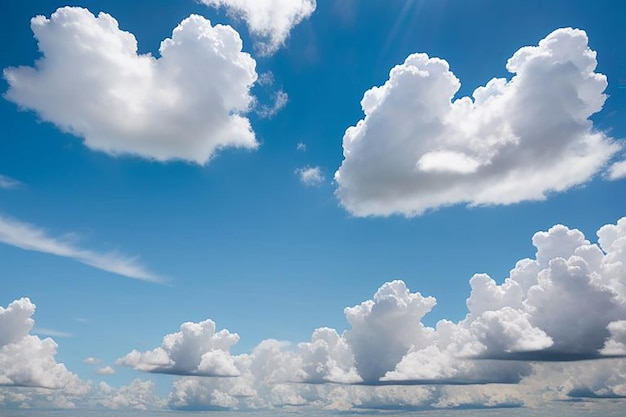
8 183
32 238
42 331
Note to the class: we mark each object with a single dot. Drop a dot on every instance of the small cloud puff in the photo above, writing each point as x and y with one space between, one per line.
310 176
106 370
617 171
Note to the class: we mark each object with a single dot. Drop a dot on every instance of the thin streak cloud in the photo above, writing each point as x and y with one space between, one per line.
41 331
29 237
8 183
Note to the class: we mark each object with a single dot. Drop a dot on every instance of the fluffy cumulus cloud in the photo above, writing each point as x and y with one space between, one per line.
270 21
91 82
27 360
418 148
524 340
378 346
566 304
197 349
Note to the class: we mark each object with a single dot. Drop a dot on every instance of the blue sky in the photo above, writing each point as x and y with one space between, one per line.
143 204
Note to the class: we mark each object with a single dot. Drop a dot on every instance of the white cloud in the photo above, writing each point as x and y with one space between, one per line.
27 360
197 349
91 82
310 176
523 341
9 183
269 20
29 237
279 100
266 380
91 361
138 395
42 331
328 358
301 147
106 370
566 304
377 344
266 79
418 149
617 170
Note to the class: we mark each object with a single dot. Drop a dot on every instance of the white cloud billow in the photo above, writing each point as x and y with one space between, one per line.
417 149
554 311
377 345
197 349
270 21
29 237
187 104
27 360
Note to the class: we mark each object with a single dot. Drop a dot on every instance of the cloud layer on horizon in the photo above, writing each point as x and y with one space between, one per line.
567 303
568 299
419 149
186 104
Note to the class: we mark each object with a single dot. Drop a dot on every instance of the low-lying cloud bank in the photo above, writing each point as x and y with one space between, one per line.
419 149
30 375
566 304
522 342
